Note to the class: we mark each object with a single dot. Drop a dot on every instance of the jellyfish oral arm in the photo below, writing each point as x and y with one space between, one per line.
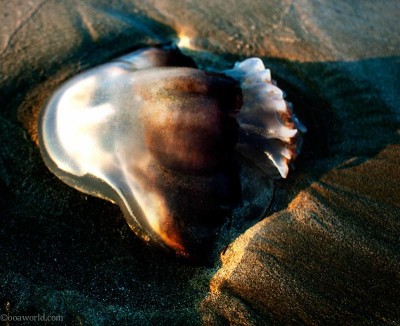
269 131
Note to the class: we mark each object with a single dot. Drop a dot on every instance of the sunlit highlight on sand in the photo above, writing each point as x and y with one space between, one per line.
185 41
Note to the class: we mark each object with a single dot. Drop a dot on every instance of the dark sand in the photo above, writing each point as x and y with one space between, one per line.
328 250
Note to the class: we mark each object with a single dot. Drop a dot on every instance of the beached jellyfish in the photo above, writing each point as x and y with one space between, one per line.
179 149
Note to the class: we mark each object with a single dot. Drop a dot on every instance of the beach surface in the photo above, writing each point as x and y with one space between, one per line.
327 251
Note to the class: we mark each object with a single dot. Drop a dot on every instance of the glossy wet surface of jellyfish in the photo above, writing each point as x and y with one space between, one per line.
180 150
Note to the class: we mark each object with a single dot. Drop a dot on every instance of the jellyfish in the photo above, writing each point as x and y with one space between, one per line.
179 149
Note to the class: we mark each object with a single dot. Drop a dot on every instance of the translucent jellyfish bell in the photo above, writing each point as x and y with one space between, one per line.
177 148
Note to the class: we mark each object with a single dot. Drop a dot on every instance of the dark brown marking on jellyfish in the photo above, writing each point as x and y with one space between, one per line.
195 129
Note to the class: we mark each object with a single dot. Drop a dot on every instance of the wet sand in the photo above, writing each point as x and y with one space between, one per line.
327 251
